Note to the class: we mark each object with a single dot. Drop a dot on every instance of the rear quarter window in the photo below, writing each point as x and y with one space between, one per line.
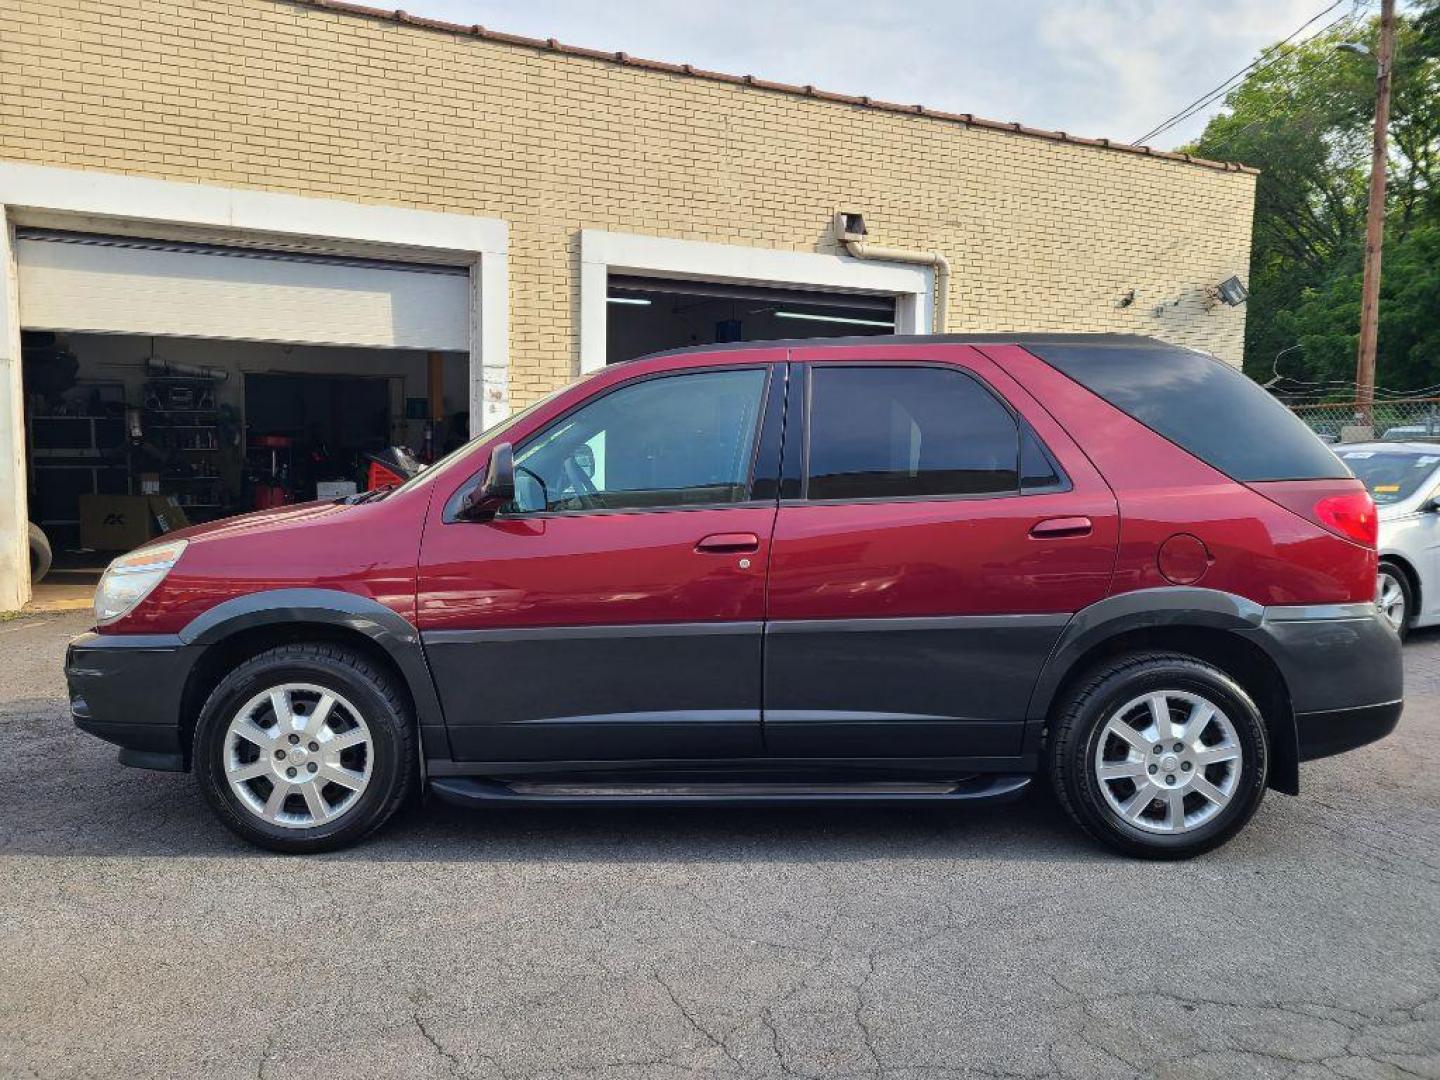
1204 406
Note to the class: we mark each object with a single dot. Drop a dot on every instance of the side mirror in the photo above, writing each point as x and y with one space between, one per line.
498 488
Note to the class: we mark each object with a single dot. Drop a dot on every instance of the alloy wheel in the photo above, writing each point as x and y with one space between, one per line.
1168 761
1390 598
298 755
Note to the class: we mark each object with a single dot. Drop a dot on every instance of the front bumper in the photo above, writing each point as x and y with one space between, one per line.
127 689
1343 666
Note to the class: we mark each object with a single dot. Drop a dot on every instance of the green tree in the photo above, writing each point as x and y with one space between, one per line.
1304 118
1325 320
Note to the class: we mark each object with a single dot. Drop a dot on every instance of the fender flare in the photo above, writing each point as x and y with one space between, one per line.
1163 608
395 636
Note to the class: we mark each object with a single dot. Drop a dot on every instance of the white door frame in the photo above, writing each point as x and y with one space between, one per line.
603 253
91 201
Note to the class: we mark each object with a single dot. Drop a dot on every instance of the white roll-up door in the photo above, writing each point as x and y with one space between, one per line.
81 282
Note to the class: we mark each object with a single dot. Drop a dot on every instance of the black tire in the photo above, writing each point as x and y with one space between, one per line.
372 692
1407 590
40 554
1078 725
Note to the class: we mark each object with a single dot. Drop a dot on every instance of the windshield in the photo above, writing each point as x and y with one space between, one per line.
424 476
1391 476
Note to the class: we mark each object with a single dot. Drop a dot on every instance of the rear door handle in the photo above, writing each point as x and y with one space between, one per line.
728 543
1062 526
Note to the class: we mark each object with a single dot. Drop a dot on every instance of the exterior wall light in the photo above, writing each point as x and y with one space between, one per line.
1231 292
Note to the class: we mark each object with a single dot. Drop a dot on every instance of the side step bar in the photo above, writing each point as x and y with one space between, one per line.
471 791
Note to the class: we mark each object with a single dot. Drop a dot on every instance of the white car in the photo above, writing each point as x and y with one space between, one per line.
1404 480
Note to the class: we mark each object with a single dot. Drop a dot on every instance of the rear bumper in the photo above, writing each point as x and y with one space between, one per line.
1344 669
126 689
1321 734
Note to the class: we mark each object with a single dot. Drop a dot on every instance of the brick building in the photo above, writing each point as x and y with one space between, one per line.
314 203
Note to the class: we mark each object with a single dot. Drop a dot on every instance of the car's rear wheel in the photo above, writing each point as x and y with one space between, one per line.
306 747
1394 597
1159 755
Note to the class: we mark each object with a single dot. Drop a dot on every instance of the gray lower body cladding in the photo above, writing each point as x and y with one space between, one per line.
839 694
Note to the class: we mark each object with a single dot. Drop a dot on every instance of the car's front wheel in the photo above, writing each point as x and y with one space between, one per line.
1159 755
1393 596
306 747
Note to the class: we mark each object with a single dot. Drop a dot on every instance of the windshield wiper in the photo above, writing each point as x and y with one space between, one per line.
372 495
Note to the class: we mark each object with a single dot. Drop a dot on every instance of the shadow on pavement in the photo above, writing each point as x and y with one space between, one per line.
75 800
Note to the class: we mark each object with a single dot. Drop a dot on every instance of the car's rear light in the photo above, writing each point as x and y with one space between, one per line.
1351 515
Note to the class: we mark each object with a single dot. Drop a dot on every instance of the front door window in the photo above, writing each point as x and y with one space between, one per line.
678 440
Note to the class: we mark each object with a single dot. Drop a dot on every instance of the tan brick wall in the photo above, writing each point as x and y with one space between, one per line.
1042 235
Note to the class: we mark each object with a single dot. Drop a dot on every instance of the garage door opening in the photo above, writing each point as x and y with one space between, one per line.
170 382
645 315
129 436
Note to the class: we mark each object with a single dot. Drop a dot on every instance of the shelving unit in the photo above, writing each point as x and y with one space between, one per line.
182 419
72 456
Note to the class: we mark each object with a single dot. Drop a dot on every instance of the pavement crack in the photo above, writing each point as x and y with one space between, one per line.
714 1040
768 1020
444 1054
860 1021
265 1056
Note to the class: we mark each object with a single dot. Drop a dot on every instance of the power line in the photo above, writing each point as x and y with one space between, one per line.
1290 98
1254 65
1232 84
1266 57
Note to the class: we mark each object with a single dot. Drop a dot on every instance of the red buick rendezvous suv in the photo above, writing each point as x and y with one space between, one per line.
877 568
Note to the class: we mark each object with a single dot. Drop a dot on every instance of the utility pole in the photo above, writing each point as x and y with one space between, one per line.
1375 224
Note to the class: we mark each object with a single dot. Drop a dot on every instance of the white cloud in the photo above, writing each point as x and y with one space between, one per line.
1089 67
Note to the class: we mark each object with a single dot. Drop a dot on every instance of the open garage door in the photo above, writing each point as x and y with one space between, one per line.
209 380
645 315
120 285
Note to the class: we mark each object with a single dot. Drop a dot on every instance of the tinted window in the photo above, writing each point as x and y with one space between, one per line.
1037 470
894 432
1204 406
680 440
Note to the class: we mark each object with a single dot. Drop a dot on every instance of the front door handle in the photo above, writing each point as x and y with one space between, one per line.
1061 526
728 543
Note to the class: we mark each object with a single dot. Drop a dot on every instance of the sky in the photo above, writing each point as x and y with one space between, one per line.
1099 68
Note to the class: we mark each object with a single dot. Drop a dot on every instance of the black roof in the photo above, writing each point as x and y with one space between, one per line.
1108 341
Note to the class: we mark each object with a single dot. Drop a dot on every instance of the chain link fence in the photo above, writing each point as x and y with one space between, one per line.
1396 420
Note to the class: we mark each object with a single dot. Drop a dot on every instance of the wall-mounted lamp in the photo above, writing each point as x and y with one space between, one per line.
1231 292
636 300
1127 299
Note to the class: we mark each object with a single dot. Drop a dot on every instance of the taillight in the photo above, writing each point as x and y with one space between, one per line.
1351 515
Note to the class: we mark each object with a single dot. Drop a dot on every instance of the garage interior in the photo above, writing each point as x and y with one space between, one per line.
130 435
169 382
645 315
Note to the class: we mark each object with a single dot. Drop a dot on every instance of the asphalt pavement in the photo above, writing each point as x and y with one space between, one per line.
139 939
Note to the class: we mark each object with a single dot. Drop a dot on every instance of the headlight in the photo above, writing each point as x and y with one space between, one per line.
129 579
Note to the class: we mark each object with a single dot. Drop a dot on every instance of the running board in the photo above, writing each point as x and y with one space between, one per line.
470 791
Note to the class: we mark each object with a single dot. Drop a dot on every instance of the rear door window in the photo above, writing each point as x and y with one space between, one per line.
905 432
1204 406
